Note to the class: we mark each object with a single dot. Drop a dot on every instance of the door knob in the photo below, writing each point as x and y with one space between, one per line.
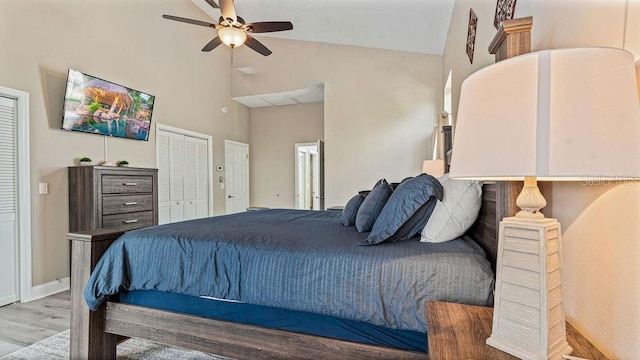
230 196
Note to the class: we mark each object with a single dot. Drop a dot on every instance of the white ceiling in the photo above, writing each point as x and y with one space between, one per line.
405 25
300 96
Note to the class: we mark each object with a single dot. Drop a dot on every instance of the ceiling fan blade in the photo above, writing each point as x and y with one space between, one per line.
228 10
212 44
213 4
189 21
257 46
269 26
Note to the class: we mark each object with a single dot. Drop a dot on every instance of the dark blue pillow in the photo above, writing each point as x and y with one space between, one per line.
408 200
351 210
415 224
372 206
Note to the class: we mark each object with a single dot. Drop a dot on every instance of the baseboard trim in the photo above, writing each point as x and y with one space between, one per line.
46 289
8 300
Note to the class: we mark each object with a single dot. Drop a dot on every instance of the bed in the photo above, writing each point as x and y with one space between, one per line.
142 312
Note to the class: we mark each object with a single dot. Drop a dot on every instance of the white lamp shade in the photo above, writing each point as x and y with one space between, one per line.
638 75
566 114
434 168
231 36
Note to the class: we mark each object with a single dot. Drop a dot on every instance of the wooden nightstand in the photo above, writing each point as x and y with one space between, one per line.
457 331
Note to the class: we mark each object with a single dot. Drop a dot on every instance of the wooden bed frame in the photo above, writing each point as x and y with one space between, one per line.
94 334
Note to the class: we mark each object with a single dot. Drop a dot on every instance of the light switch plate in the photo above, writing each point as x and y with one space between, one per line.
43 188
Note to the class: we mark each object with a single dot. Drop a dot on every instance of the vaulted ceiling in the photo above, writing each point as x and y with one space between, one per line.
406 25
419 26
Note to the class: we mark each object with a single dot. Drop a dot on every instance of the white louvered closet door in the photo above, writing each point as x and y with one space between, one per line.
8 201
176 146
183 177
164 178
202 179
190 177
196 178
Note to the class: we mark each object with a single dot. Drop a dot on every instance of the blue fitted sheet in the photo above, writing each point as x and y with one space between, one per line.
295 321
295 260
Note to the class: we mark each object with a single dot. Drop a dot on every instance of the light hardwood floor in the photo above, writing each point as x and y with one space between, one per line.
23 324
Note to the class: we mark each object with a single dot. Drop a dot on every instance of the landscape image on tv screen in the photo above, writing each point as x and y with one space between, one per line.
101 107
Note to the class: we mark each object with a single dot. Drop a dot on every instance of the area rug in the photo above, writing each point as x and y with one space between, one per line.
57 348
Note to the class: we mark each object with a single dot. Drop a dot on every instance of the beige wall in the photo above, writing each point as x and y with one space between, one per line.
601 274
274 133
373 98
126 42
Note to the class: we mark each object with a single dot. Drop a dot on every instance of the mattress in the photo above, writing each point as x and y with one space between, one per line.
296 260
275 318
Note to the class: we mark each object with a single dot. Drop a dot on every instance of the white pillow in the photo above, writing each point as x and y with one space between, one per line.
457 211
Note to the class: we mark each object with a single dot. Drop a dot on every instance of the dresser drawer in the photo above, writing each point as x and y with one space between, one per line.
120 204
123 184
128 221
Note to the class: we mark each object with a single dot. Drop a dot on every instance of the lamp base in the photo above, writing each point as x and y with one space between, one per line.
517 351
528 319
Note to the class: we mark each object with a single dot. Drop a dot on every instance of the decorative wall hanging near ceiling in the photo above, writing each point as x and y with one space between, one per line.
471 34
504 11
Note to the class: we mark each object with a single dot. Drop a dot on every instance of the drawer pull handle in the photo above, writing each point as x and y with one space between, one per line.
130 203
130 184
130 221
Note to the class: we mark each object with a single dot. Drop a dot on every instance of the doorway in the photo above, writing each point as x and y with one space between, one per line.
236 159
309 173
15 210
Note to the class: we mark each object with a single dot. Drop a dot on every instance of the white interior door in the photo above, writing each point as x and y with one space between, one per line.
309 172
308 195
315 181
320 176
176 169
185 178
163 162
237 176
8 202
204 179
190 177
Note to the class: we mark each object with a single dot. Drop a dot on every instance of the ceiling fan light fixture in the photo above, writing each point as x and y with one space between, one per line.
232 36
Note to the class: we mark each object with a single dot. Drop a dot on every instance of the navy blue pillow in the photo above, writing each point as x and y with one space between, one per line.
351 210
410 198
372 206
415 224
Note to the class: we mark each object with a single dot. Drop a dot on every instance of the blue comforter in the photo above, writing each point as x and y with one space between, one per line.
297 260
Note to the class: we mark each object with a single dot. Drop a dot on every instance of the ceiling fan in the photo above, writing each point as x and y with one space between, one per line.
232 29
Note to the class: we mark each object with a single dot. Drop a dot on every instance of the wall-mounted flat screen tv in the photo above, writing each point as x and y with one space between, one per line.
96 106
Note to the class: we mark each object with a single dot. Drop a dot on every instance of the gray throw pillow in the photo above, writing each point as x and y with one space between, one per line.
372 206
351 210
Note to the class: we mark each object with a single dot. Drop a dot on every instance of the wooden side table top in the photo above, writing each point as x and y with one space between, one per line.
457 331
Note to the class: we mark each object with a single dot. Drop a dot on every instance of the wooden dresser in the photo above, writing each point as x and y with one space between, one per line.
109 197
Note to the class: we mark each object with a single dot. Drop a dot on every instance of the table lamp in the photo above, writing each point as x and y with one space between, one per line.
554 115
434 168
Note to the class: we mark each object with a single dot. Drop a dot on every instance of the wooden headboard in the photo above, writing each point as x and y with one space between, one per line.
485 230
